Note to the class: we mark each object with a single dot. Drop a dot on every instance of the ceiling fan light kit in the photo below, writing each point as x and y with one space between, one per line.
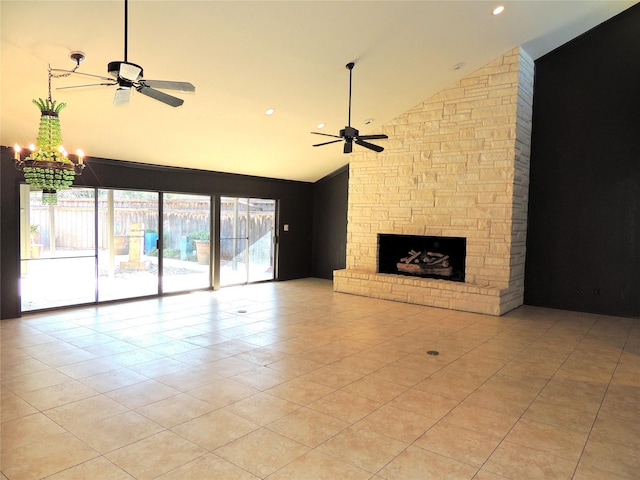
349 134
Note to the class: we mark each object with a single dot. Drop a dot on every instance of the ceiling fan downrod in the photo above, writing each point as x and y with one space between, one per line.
349 67
126 28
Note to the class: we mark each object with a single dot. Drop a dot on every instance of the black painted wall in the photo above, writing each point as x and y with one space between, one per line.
583 240
295 209
9 237
330 200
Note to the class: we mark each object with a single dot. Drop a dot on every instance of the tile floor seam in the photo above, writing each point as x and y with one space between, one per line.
309 449
521 417
482 466
410 444
604 396
577 463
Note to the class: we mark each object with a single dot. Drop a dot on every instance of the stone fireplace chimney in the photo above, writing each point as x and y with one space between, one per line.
456 165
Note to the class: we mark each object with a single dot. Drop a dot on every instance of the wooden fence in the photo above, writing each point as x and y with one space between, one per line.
73 220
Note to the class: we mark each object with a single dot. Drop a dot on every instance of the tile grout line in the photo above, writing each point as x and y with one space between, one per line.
604 396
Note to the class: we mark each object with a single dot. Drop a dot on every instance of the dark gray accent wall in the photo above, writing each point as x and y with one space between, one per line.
583 240
295 207
330 203
9 235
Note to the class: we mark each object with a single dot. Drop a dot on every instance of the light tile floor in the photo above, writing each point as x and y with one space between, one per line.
290 380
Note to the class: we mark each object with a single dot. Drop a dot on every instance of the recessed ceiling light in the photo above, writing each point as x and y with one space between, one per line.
320 125
458 66
498 10
270 111
368 121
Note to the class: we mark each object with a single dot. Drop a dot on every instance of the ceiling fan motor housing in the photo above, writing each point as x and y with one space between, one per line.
349 132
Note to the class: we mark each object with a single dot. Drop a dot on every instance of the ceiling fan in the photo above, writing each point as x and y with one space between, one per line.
349 134
128 76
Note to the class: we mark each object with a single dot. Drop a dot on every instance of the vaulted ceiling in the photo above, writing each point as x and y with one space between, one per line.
247 56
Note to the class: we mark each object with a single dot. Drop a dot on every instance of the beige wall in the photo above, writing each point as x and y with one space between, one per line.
455 165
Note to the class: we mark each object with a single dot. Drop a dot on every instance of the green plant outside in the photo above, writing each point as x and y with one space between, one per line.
200 235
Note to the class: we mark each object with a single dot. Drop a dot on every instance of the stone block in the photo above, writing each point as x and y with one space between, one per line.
399 213
463 145
456 201
449 94
468 223
427 115
508 78
492 112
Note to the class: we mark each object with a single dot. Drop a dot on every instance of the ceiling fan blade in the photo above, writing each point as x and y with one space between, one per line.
88 85
169 85
368 145
326 134
372 137
327 143
129 71
122 96
348 147
160 96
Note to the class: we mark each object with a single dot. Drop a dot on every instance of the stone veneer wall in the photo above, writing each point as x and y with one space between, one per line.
455 165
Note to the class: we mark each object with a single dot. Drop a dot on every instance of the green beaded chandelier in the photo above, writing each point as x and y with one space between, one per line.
48 167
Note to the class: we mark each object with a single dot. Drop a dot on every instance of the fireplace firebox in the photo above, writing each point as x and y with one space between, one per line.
422 256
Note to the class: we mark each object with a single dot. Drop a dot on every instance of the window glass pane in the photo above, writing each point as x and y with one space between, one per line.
186 249
262 214
246 240
233 241
126 268
57 249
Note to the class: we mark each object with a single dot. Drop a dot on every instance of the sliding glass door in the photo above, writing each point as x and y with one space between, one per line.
186 247
247 227
100 245
57 249
126 264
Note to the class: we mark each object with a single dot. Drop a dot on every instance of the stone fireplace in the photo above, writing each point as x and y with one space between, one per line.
454 166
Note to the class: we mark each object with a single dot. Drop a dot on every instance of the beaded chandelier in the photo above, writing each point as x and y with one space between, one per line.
48 167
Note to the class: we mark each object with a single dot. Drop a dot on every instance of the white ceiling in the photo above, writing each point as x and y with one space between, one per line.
246 56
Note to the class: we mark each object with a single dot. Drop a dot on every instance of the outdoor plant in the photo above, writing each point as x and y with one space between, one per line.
202 252
200 235
34 230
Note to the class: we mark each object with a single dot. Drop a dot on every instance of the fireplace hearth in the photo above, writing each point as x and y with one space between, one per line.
422 256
